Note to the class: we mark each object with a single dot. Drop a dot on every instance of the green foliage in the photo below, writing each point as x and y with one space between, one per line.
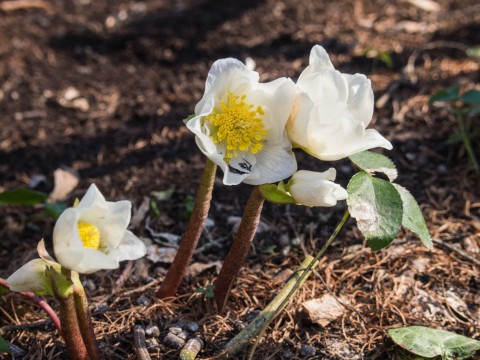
22 196
377 207
154 207
446 95
188 204
474 52
379 56
276 193
54 209
372 162
4 348
430 343
412 217
4 290
465 106
207 291
381 207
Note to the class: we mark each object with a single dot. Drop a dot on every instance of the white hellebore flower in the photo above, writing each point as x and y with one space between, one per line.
313 188
31 276
240 124
332 111
93 235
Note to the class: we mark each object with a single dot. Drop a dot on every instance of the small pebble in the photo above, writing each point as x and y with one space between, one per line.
101 308
143 301
152 330
287 354
152 343
251 315
191 326
307 351
238 325
296 241
89 285
173 341
191 349
175 330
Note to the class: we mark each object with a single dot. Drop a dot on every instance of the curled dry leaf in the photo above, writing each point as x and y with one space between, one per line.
324 310
64 183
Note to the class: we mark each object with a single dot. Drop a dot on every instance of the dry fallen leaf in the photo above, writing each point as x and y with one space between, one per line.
324 310
156 254
64 183
197 268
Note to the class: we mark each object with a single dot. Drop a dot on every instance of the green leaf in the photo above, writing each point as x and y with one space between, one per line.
4 290
445 95
454 138
372 162
22 196
471 96
474 52
54 209
431 343
412 216
4 348
188 204
276 194
377 207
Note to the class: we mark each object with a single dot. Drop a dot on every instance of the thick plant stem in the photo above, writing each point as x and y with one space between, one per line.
274 307
85 322
192 234
70 329
240 247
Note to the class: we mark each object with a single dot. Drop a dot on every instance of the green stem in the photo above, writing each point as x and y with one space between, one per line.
85 322
240 247
71 330
192 234
258 325
277 304
466 140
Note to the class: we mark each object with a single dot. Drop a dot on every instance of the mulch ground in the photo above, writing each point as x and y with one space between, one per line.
101 87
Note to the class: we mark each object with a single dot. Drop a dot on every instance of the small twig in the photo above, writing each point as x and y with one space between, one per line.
140 343
457 250
123 276
29 326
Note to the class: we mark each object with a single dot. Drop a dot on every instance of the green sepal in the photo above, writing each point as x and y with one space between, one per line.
188 118
276 193
58 285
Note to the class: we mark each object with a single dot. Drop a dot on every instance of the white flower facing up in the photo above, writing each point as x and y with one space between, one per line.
240 124
313 188
332 111
93 235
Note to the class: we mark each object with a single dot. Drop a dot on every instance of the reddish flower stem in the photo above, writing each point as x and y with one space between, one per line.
239 249
192 234
85 322
42 303
71 330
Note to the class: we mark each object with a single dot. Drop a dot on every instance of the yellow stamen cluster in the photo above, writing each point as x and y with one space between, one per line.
89 235
238 125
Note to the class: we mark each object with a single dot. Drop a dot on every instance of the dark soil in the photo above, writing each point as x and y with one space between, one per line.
138 68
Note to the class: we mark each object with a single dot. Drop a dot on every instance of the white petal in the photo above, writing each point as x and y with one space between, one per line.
87 261
114 224
30 277
319 61
274 163
297 125
92 201
360 98
131 248
276 98
316 188
325 86
66 238
225 75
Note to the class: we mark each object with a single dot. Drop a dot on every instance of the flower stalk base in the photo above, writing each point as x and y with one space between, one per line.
240 247
192 234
